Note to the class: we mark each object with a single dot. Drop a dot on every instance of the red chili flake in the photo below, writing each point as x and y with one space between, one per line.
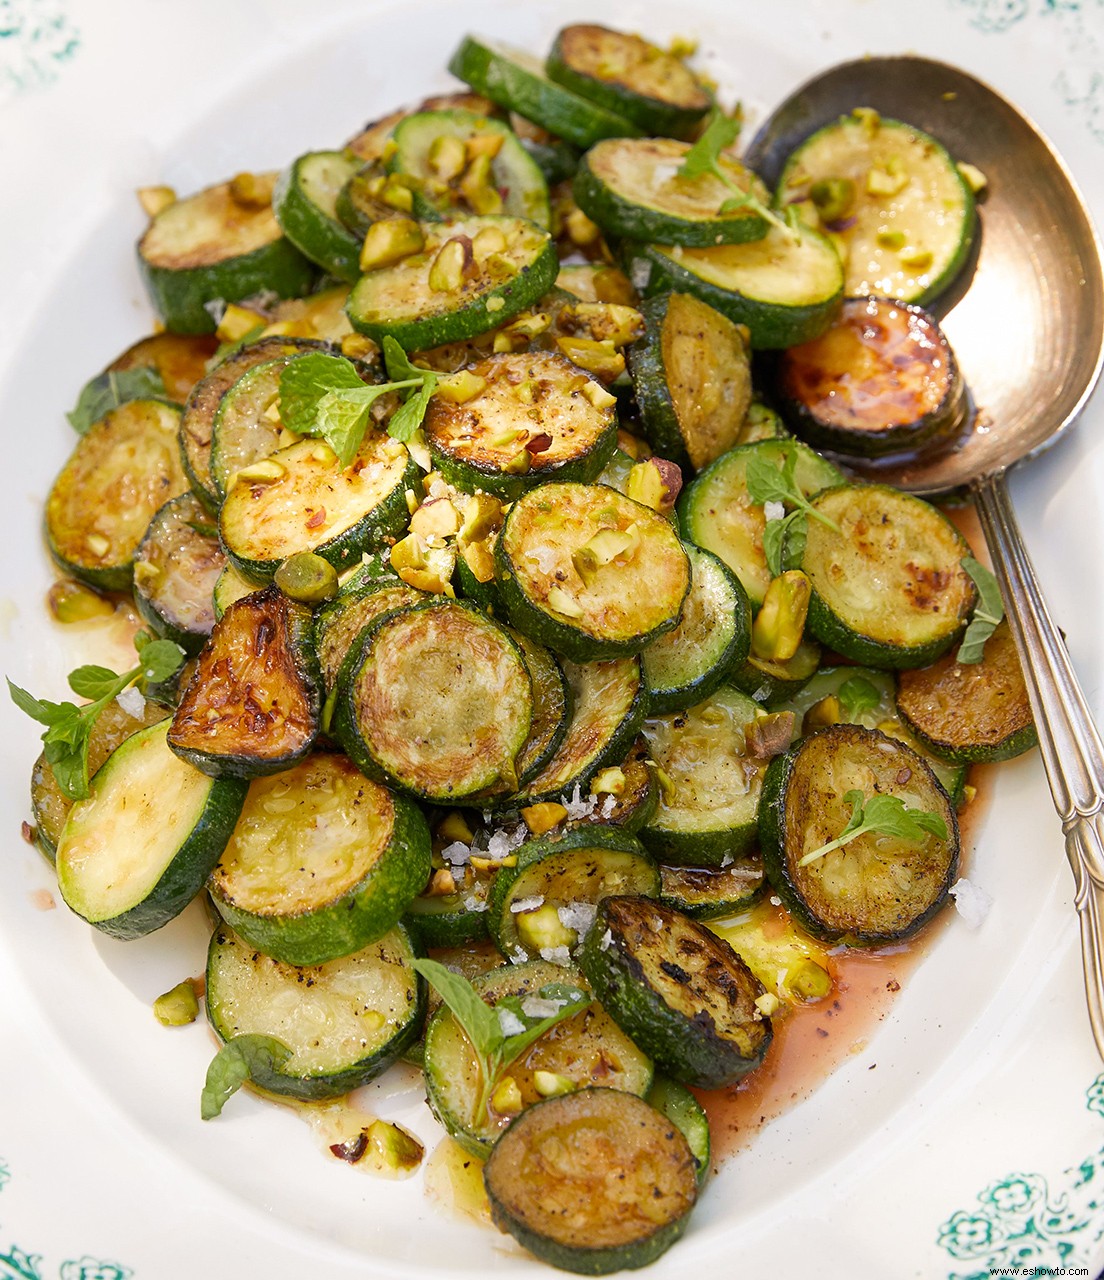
317 518
352 1150
28 832
539 443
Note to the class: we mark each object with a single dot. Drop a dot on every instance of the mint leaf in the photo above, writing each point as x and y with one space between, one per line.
474 1015
881 815
343 419
721 131
43 712
987 616
305 381
774 534
107 391
240 1059
408 417
94 682
160 659
765 482
855 799
397 362
857 695
70 769
514 1046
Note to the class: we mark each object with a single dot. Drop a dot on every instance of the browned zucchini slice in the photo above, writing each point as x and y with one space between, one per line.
592 1182
254 703
180 359
437 702
338 623
119 475
176 567
882 379
711 893
970 713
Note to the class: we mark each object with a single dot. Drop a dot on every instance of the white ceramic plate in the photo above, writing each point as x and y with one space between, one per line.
966 1131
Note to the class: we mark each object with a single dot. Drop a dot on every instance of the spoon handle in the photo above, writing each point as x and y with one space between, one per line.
1072 751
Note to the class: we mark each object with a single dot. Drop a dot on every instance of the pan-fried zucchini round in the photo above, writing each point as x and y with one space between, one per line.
536 417
244 429
909 219
588 572
179 359
877 888
436 700
230 585
633 799
119 475
631 187
691 376
216 247
712 638
771 681
680 991
889 589
337 624
970 713
679 1105
176 567
401 301
551 707
882 379
452 919
138 850
585 1049
592 1182
305 204
712 893
322 862
301 499
254 703
786 287
197 423
345 1021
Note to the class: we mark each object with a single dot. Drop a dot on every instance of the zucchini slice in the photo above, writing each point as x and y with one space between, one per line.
589 572
680 991
551 707
712 893
176 567
713 636
607 709
138 850
306 501
436 700
691 374
543 904
679 1105
716 511
861 695
197 423
119 475
462 162
360 201
908 218
786 288
304 202
452 919
253 705
882 379
337 624
50 805
322 862
180 360
593 1182
631 187
345 1021
632 798
771 681
517 81
401 301
230 585
889 590
537 417
585 1049
877 888
709 783
629 75
212 248
973 713
762 423
554 157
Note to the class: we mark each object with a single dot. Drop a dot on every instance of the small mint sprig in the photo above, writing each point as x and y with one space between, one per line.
323 395
987 616
768 483
705 157
881 815
494 1049
857 695
241 1058
69 727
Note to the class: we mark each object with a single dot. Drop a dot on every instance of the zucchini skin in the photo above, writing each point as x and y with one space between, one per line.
315 233
689 1047
712 893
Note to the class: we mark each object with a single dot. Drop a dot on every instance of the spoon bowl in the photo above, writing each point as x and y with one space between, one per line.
1027 328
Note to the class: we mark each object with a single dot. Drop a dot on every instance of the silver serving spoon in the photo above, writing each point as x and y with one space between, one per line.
1028 330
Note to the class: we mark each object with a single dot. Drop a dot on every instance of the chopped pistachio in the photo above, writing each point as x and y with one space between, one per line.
408 553
437 517
289 329
769 735
543 928
768 1004
397 194
146 573
511 435
655 483
178 1007
97 544
71 601
494 304
454 826
520 464
447 157
868 117
394 1147
484 144
308 578
446 274
155 200
479 559
667 789
460 387
600 358
482 516
973 177
253 190
236 322
887 180
492 864
442 882
581 230
603 321
272 413
610 782
808 980
602 549
969 794
477 186
356 346
917 259
540 818
549 1084
506 1099
427 568
411 500
489 240
822 714
560 602
418 449
890 238
390 241
834 198
323 452
780 622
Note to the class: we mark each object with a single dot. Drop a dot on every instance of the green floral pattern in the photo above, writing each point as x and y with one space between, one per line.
1021 1221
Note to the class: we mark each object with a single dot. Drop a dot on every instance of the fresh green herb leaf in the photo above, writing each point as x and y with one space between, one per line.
766 482
108 391
397 362
857 695
514 1046
305 381
769 483
342 421
240 1059
34 707
474 1015
160 660
406 419
94 682
987 616
881 815
704 157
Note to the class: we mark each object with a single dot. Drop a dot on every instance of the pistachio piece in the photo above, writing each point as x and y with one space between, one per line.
447 157
834 198
178 1007
308 578
542 928
507 1099
390 241
155 200
780 623
541 818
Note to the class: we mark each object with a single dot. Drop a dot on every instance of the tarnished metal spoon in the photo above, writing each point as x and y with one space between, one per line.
1028 330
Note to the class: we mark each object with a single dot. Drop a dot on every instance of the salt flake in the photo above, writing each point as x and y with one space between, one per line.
971 902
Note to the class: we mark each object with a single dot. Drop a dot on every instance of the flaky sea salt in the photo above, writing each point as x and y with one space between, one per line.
519 955
578 916
504 841
510 1023
577 805
971 902
132 702
605 940
539 1007
774 510
472 903
608 806
556 955
641 273
527 904
457 853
